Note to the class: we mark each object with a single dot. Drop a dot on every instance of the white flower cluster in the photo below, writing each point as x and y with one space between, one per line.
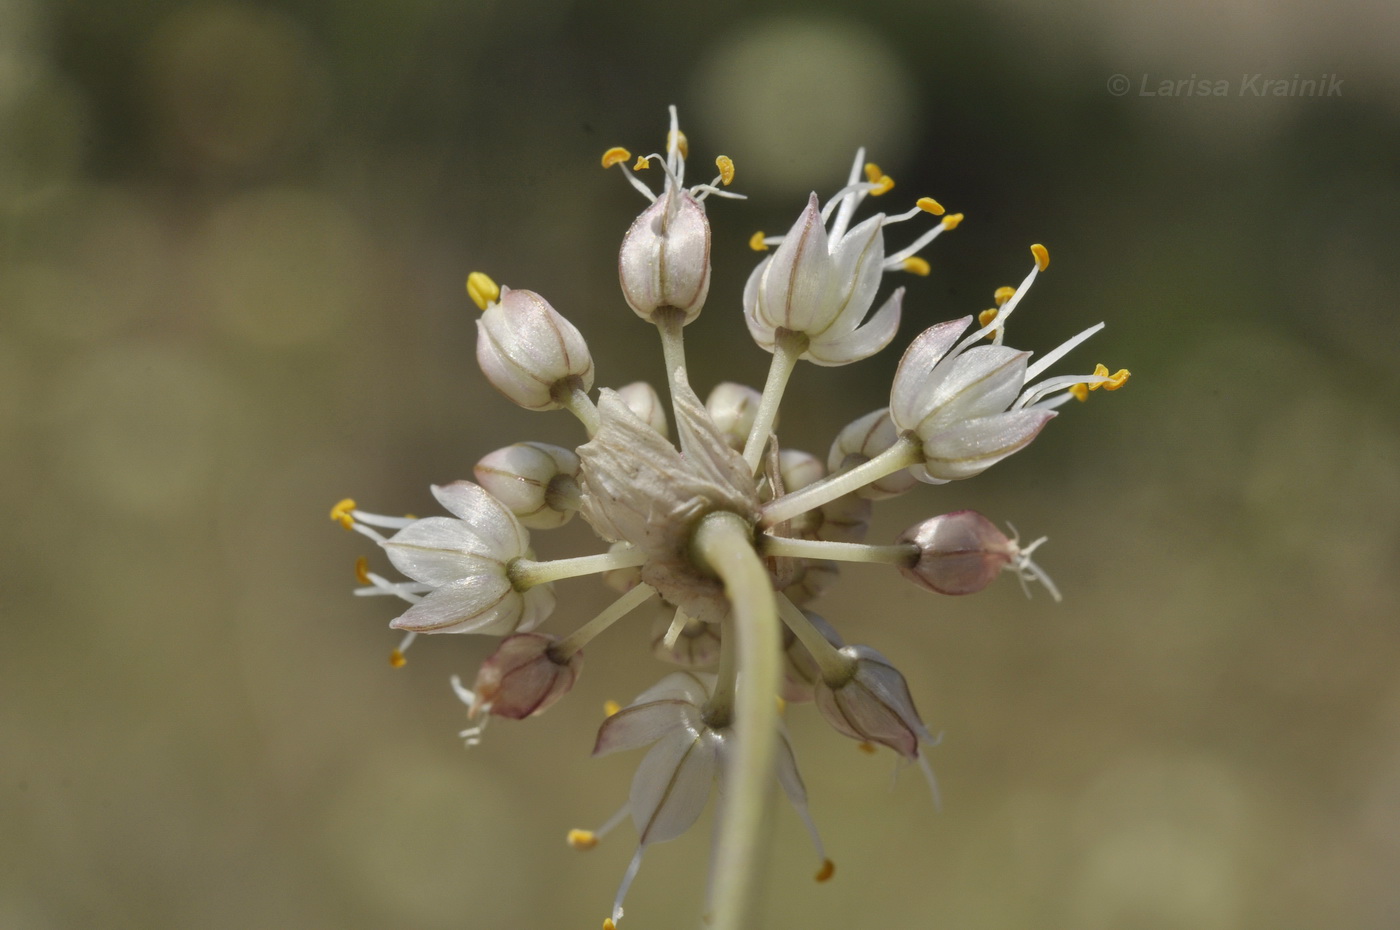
726 531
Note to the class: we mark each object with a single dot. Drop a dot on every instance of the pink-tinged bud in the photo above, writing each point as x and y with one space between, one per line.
538 482
963 552
527 350
959 553
665 257
524 676
873 705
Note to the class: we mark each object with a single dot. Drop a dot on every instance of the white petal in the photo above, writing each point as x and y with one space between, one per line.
978 383
439 550
797 287
480 604
863 342
536 606
972 447
763 332
643 724
856 260
909 395
489 518
672 784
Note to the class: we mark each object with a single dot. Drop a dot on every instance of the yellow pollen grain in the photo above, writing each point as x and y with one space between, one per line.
883 185
986 316
952 220
1117 379
1079 392
1004 294
642 163
929 205
1042 256
482 290
677 138
725 164
867 747
340 513
397 659
916 265
827 870
610 708
615 156
362 570
582 839
756 242
873 172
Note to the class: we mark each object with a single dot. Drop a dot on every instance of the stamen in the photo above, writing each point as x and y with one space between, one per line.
582 839
827 870
1080 392
883 186
929 205
482 290
1060 352
725 164
475 707
872 172
642 163
362 570
610 707
867 747
1042 256
916 265
952 220
340 513
397 659
1003 294
757 242
984 319
615 156
1117 379
675 139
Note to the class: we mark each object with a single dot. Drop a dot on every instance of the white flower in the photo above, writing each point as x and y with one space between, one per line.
527 350
462 565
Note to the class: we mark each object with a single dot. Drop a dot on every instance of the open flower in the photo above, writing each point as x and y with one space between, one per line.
461 565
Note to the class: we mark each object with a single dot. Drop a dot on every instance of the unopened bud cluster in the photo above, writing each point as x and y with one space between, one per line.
706 520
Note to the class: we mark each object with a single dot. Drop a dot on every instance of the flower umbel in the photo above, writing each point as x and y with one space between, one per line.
727 532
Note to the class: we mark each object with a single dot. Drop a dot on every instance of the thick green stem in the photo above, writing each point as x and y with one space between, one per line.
789 346
723 543
905 452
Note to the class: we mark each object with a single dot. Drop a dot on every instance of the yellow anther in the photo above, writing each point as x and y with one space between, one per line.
397 659
1079 392
340 513
1004 294
756 242
929 205
642 163
362 570
1042 256
952 220
916 265
782 705
873 172
725 164
1100 371
608 924
482 290
986 316
883 185
827 870
410 516
1117 379
677 138
866 747
582 839
610 708
615 156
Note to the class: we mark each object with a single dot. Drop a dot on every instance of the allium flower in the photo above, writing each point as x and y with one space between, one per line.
728 531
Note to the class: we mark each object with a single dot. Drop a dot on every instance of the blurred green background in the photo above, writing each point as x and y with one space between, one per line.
233 238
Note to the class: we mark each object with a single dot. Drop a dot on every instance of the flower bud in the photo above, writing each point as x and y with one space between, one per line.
733 407
697 646
527 350
641 398
873 705
665 257
536 481
859 442
523 676
962 552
